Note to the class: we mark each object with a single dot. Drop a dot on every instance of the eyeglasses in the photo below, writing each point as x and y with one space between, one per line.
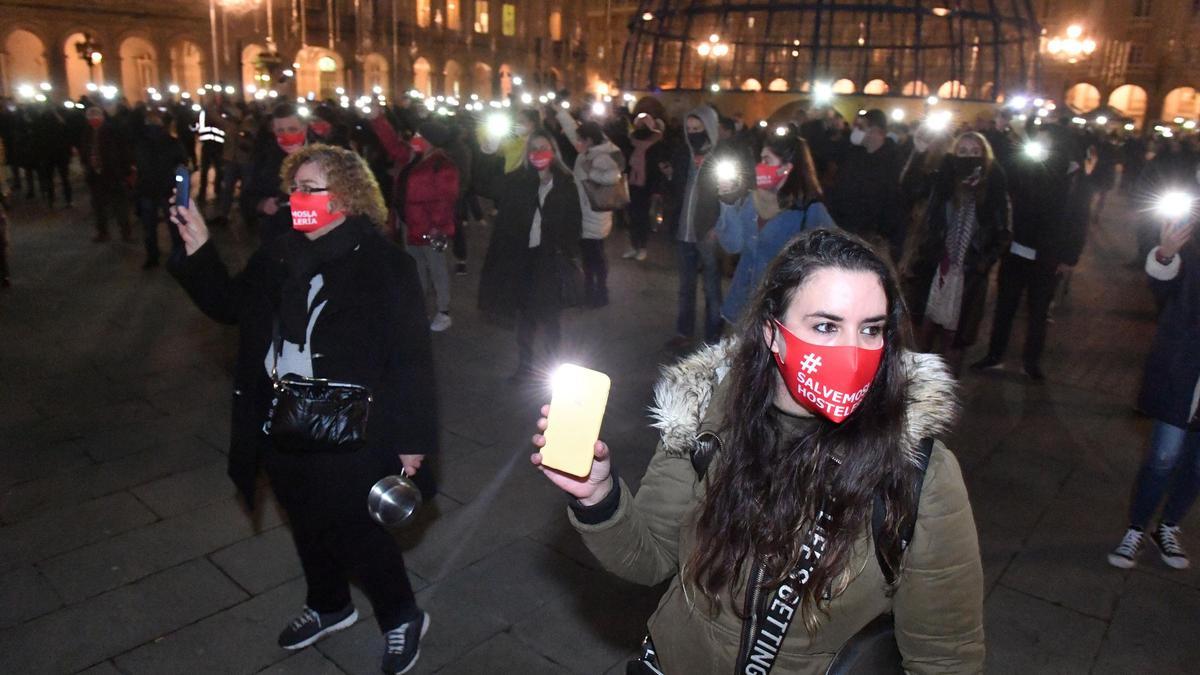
309 190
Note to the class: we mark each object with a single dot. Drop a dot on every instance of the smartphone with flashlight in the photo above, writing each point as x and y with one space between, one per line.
578 400
183 186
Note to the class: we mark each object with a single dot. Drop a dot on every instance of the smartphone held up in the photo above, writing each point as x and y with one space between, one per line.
183 186
578 400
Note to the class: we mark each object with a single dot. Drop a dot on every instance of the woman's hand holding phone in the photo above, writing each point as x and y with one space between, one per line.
590 489
191 226
1175 235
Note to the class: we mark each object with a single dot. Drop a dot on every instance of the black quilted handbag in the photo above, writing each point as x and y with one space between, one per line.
315 415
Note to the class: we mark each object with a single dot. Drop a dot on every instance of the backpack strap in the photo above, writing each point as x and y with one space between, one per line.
879 513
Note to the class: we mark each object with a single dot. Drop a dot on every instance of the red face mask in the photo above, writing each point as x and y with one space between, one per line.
95 122
769 177
310 212
321 127
827 381
540 159
420 145
290 141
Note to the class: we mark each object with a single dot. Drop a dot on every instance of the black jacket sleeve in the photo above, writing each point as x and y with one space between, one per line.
406 408
206 280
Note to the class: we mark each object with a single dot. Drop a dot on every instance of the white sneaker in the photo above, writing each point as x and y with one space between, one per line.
1166 538
440 322
630 254
1125 554
641 255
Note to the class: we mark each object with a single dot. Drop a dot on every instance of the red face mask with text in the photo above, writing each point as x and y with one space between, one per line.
420 145
291 141
827 381
540 159
310 212
768 177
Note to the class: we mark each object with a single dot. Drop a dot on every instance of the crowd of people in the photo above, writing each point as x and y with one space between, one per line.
841 234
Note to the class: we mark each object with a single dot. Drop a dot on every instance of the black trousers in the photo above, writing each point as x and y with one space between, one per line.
640 199
210 157
46 172
110 201
537 313
1019 276
595 271
325 497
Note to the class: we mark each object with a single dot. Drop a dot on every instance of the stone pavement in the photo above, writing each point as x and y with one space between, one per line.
123 550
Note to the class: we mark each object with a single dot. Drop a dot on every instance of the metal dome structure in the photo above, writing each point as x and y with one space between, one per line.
970 49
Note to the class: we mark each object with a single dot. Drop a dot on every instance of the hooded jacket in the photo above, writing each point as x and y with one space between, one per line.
601 164
938 601
696 182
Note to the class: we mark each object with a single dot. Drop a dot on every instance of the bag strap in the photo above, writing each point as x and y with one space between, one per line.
276 348
879 513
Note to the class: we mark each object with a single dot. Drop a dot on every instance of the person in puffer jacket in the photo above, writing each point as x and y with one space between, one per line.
423 198
600 162
778 449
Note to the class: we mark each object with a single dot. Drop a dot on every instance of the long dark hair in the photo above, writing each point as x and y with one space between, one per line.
764 495
801 186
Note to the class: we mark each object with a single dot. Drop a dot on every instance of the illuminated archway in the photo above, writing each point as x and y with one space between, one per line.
187 67
139 67
320 73
79 71
481 83
25 60
375 74
777 84
952 89
1130 99
751 84
915 88
1181 102
1082 97
421 79
250 73
452 78
876 88
844 86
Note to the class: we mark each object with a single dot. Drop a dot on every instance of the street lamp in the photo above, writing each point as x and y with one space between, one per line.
89 50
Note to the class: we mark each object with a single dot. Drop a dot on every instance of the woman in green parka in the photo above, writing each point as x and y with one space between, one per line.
797 494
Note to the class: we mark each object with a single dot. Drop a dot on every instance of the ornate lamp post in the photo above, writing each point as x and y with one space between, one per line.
1071 47
89 50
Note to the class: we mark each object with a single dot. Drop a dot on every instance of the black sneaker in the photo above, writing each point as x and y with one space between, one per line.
987 363
460 269
1125 554
1034 373
404 645
312 625
1166 538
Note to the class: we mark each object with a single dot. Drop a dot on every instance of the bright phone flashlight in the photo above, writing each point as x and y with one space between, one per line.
1175 204
498 125
1035 151
726 170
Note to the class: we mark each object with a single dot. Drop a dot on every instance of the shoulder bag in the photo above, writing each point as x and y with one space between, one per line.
608 197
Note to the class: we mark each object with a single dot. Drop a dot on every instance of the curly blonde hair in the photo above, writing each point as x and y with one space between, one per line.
350 180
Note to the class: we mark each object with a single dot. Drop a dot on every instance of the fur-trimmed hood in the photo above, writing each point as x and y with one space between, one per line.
682 395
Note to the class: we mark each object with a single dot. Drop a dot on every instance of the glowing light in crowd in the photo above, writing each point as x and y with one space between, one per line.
196 107
303 111
91 86
938 121
598 109
1078 120
45 86
715 88
551 95
1129 126
526 98
174 88
498 125
185 95
430 104
339 91
1019 102
897 114
273 94
517 81
762 124
1189 125
1036 151
69 105
726 170
1101 120
932 100
566 105
822 92
1175 204
25 90
251 89
781 131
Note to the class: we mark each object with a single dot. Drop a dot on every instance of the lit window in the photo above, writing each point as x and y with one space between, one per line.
481 16
508 19
424 13
453 15
556 26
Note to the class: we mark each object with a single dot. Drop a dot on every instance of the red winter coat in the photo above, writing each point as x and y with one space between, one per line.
428 189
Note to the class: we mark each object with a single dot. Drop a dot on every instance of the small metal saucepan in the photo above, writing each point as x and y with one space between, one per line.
393 500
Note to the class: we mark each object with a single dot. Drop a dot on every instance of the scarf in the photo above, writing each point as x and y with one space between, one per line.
960 231
637 161
304 259
766 204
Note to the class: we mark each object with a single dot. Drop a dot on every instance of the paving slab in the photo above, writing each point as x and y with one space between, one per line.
187 490
1029 635
119 560
1153 629
115 622
70 527
25 594
306 662
504 652
261 562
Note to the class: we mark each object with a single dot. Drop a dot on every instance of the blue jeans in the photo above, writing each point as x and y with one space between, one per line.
700 258
1173 459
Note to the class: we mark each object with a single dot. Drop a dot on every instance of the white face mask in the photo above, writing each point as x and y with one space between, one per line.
857 137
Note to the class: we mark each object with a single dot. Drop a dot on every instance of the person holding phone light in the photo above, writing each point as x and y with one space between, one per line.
965 229
1170 392
779 448
334 299
756 222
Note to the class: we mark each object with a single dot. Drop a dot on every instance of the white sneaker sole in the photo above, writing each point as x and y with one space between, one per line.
1121 561
1173 562
417 656
341 625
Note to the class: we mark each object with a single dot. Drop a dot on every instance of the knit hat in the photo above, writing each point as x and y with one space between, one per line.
435 132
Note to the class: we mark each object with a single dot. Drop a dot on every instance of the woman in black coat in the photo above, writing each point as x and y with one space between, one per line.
1171 397
965 229
348 307
534 244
